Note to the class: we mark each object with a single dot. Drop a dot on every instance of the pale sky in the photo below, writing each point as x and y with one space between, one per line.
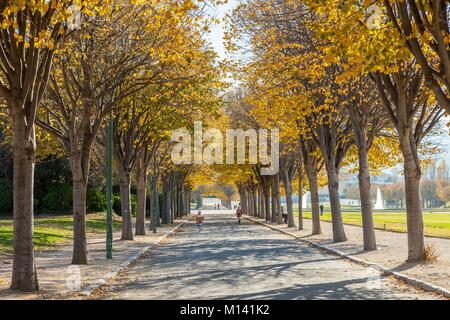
217 31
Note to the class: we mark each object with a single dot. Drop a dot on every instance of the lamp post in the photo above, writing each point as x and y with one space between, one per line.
109 168
109 195
121 42
109 165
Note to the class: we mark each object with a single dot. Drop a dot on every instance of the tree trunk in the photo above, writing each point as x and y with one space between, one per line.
141 198
278 199
185 195
416 247
290 210
243 202
153 204
300 198
258 202
24 276
266 200
250 203
336 214
178 211
273 206
263 203
364 192
180 202
274 201
190 201
164 202
255 202
158 209
171 203
186 206
315 210
176 203
79 212
262 211
127 222
287 176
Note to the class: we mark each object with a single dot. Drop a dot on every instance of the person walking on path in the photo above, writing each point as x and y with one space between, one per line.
199 220
321 209
239 214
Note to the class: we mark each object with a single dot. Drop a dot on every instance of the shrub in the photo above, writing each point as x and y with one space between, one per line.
116 189
6 196
431 254
47 173
58 197
117 204
95 199
133 204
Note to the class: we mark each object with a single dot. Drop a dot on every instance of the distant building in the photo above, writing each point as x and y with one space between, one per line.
210 201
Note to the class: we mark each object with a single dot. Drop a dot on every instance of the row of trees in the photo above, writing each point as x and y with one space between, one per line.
66 66
434 194
341 88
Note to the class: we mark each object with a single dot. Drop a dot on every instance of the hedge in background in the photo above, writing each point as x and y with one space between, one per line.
117 205
96 200
58 198
6 196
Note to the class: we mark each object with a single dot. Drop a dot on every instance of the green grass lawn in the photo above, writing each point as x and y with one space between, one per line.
435 224
50 231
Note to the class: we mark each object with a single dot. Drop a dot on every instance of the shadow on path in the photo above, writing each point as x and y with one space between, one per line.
248 261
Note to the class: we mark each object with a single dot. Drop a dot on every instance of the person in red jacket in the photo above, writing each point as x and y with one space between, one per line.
239 214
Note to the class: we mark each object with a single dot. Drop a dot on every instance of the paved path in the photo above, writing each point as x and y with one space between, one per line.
392 250
248 261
